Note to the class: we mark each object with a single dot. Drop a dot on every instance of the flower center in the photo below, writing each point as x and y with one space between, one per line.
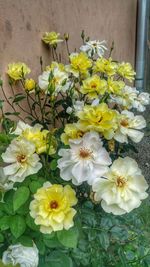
85 153
121 181
124 123
93 86
21 158
53 204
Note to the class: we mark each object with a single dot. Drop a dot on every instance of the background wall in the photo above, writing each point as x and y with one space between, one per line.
22 24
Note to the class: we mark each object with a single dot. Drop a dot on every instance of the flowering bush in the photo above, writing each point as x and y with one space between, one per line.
65 175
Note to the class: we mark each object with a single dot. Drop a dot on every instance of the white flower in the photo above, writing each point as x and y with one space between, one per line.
131 98
5 184
126 98
56 78
44 81
142 100
24 256
22 158
85 159
21 126
94 48
78 105
129 126
122 188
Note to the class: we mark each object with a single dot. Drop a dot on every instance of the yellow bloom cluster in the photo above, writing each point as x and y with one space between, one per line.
17 71
79 64
51 38
98 118
44 141
52 207
94 86
107 66
71 131
115 87
125 70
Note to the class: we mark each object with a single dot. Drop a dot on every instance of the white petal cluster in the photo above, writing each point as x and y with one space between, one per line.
24 256
130 98
85 160
130 126
122 188
93 48
56 78
22 160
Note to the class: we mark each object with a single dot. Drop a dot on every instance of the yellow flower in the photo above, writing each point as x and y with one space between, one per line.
98 118
44 141
51 38
71 132
29 85
93 86
79 64
54 65
17 71
52 207
126 71
106 66
115 87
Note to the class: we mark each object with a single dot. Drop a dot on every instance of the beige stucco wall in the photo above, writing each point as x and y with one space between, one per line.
22 23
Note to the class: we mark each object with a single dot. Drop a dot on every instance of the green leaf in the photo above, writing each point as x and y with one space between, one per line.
20 197
18 98
34 186
1 238
59 259
25 241
52 243
53 165
41 246
104 240
4 223
30 223
17 226
68 238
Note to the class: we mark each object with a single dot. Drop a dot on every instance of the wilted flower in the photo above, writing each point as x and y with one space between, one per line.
17 71
93 48
51 38
143 99
130 126
98 118
52 207
29 85
19 254
122 188
79 64
84 160
22 160
126 97
125 70
5 184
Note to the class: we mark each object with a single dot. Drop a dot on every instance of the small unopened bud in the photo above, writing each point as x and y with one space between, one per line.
66 36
